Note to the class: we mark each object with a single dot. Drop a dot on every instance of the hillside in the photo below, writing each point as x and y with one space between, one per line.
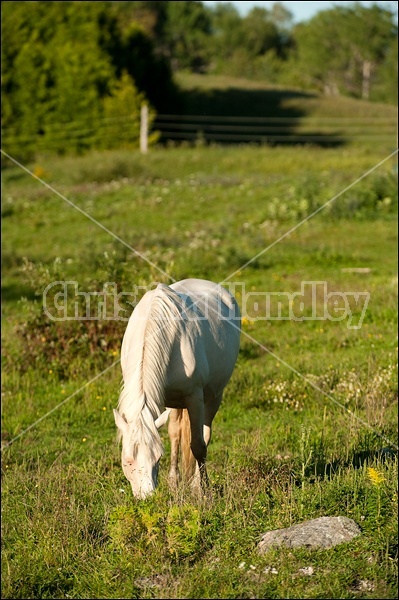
228 109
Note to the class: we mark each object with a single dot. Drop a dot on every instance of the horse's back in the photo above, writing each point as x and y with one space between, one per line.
203 287
212 296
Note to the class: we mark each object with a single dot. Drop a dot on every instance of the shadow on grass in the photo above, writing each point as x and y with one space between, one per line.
239 115
357 460
13 292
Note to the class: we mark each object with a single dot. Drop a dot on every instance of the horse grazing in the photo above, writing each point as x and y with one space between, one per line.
178 353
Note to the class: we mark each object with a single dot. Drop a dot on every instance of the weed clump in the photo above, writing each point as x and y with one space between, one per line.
176 534
134 526
182 531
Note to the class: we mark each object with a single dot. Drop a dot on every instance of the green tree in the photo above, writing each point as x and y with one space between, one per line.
385 88
82 75
60 60
340 50
151 72
252 46
370 33
55 78
260 33
121 126
150 15
226 33
187 34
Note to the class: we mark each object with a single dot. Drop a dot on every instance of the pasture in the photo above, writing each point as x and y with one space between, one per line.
308 423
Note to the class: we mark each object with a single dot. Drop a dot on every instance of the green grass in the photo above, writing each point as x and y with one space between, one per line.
282 450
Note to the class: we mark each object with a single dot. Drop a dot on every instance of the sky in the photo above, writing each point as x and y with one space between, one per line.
301 11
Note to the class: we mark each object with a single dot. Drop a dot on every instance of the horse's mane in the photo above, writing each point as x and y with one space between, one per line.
142 398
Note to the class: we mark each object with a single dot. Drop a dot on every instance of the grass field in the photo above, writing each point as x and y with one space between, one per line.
308 424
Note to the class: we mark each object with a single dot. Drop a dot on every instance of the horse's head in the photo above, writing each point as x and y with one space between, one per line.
141 471
140 461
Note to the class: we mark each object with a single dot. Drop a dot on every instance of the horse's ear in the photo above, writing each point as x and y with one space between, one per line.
162 418
162 286
120 422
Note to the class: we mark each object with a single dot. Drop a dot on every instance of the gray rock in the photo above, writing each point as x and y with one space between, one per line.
323 532
151 582
308 571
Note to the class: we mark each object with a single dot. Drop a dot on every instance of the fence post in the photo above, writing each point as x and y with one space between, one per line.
144 129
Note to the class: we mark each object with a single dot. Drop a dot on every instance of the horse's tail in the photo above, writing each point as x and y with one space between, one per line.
188 461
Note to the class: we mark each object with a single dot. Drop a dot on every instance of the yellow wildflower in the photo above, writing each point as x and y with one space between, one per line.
39 172
375 476
245 321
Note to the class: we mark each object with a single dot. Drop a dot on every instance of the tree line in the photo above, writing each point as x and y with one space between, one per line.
74 74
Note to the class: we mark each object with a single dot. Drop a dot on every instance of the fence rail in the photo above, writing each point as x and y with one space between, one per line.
321 130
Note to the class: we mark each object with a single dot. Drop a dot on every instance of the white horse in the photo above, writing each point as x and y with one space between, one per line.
179 351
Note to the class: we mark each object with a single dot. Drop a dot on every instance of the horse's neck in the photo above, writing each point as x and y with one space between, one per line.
146 352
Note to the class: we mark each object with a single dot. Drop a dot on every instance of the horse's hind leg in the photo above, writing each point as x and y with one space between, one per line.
175 431
212 404
195 406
